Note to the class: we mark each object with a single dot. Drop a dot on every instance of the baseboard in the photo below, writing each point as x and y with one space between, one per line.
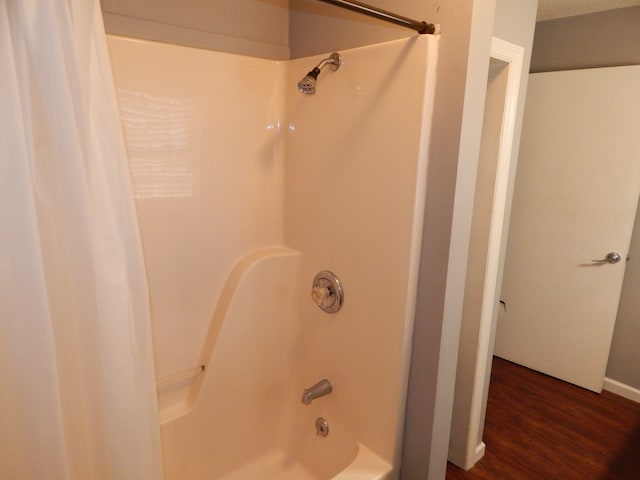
621 389
480 449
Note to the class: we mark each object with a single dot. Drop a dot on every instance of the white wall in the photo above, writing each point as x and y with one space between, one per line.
247 27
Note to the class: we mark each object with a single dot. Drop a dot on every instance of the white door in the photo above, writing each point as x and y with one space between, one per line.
576 194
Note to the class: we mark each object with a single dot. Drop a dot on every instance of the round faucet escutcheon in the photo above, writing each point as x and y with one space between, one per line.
326 292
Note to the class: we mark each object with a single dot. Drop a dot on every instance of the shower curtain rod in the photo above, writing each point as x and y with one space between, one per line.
363 8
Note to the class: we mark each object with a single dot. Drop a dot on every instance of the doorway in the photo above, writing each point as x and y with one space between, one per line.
484 267
574 206
594 265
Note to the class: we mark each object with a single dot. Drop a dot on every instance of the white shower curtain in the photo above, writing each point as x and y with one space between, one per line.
77 390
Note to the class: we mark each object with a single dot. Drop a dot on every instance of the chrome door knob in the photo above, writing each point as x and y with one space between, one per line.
611 257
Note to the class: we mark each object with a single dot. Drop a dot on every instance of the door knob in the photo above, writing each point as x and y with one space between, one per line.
611 257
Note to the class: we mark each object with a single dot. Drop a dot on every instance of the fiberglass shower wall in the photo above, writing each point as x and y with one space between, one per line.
356 156
228 158
207 177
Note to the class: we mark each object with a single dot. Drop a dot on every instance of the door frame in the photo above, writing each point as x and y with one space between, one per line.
467 451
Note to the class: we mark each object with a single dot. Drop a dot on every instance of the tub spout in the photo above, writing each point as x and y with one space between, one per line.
320 389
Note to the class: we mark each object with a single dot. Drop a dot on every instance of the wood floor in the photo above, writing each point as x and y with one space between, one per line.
540 428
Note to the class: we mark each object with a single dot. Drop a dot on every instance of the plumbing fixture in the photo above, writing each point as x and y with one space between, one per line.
322 427
308 84
326 291
320 389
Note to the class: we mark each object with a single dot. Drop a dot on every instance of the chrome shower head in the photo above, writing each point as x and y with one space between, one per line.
308 84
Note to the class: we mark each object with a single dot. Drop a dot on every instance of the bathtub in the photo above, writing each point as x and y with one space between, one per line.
322 459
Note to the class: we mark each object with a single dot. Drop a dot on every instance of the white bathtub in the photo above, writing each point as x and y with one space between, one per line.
332 460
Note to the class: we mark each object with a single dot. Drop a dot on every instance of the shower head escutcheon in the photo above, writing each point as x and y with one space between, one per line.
308 84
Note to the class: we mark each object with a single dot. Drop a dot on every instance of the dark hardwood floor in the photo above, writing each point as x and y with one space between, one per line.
541 428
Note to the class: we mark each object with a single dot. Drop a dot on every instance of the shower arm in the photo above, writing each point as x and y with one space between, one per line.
333 61
363 8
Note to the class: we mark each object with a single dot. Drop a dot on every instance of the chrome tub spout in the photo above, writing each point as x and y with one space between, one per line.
320 389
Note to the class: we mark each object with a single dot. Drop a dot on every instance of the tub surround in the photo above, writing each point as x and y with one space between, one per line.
245 190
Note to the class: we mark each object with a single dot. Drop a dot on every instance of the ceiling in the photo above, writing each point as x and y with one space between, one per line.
548 9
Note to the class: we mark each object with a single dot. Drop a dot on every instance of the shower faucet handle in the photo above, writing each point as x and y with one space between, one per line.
326 292
320 294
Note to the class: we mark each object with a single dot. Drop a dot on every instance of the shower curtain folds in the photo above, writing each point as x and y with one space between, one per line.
384 15
77 381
